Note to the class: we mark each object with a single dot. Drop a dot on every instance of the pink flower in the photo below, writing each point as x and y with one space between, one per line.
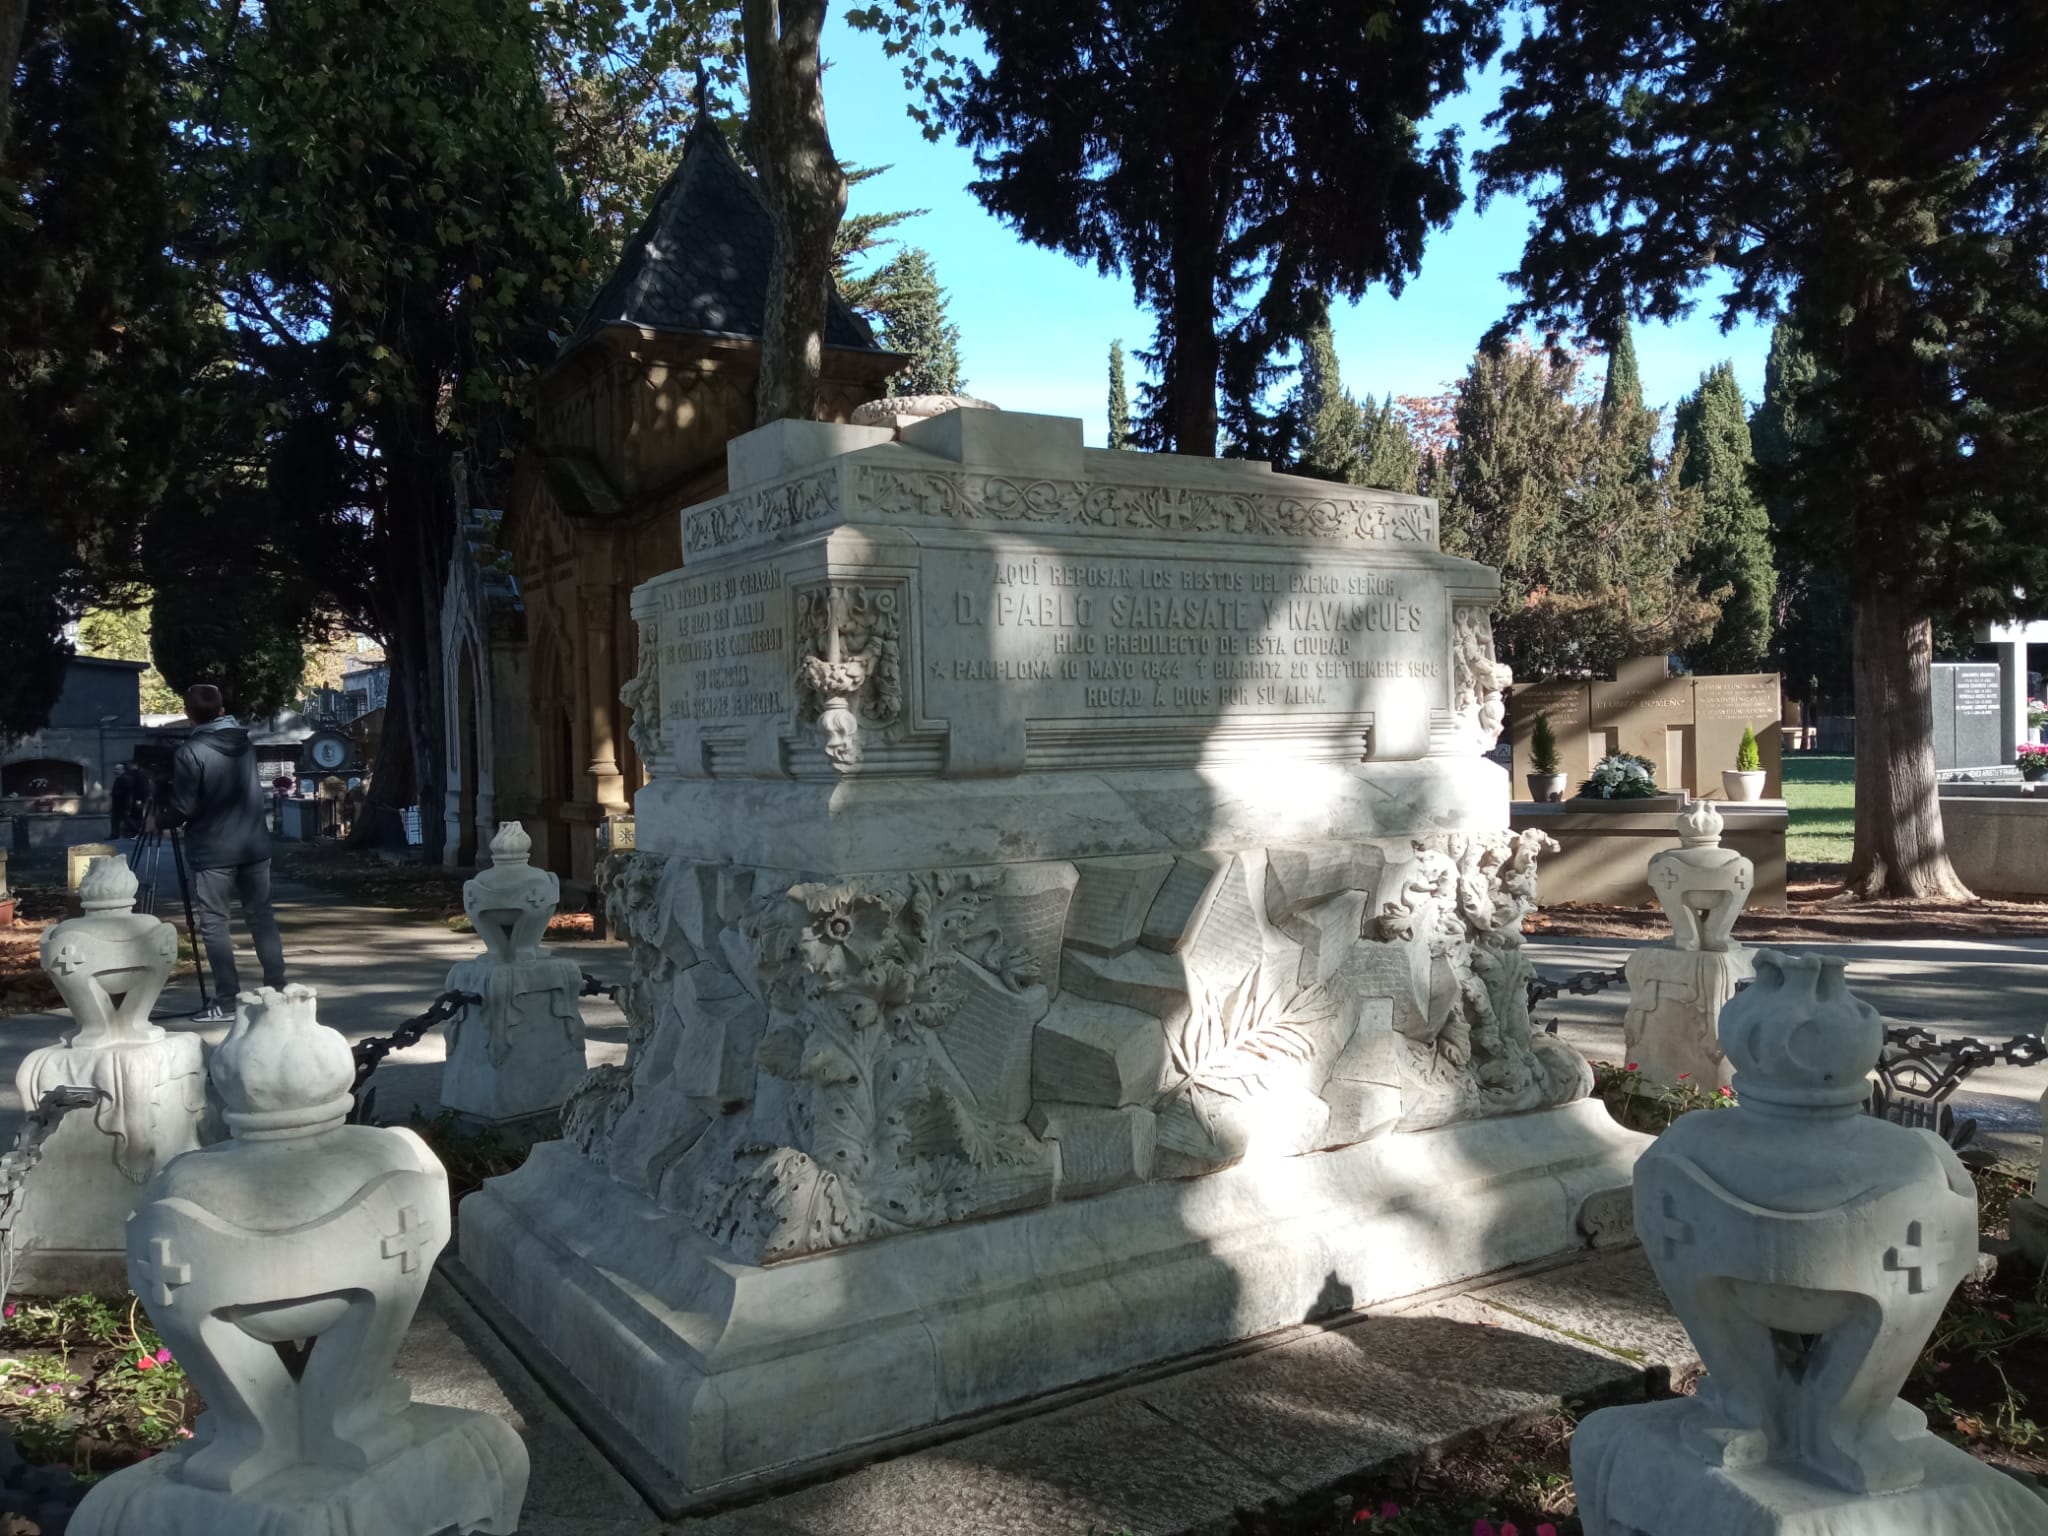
163 1357
29 1391
186 1434
146 1363
1510 1529
8 1310
1390 1510
1629 1068
1683 1076
1546 1529
1727 1092
1485 1527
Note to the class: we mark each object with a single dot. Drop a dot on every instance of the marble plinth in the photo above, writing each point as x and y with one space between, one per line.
463 1472
1654 1487
730 1376
1675 997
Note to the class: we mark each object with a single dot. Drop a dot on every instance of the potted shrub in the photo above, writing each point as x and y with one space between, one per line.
2033 765
1745 781
1545 782
1621 776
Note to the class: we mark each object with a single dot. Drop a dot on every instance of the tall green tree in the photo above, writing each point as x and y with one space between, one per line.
905 297
1330 420
1542 486
399 253
1389 458
1232 159
1811 624
1733 549
1876 172
1119 399
100 327
120 631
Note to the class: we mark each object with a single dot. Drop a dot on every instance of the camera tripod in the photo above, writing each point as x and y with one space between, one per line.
146 863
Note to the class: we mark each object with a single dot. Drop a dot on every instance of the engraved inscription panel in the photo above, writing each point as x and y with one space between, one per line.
1081 637
726 646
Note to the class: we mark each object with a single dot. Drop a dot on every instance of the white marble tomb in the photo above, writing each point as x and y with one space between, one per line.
1071 914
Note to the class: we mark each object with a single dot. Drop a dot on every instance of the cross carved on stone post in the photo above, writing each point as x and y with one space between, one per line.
1912 1259
411 1237
161 1274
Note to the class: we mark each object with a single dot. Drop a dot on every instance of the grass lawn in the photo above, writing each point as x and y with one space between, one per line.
1821 795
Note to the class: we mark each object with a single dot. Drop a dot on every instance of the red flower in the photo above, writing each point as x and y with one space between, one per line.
1629 1068
1727 1092
146 1363
1683 1076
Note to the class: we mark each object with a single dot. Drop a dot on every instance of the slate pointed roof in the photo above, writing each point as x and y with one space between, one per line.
699 264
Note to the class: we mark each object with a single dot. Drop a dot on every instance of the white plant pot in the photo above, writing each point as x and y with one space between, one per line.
1546 788
1737 785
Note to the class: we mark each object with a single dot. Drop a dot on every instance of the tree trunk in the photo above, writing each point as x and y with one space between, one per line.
792 150
1900 849
1191 387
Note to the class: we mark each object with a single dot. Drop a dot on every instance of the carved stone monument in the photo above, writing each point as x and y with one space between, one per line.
1809 1249
520 1051
109 966
283 1267
1676 990
1046 849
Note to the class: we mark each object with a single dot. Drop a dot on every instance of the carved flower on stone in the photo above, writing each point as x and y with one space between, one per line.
847 932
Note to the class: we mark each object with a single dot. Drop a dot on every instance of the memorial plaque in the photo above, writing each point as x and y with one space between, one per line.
1979 731
1722 707
1569 706
1059 652
1941 687
1647 712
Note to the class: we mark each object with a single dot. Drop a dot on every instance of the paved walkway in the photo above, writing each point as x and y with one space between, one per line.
373 969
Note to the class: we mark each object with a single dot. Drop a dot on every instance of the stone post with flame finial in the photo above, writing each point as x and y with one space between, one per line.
1676 989
283 1267
1809 1249
520 1051
109 966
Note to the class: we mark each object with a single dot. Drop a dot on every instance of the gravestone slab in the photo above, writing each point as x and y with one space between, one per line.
1647 712
1055 846
1941 681
1569 706
1722 707
1979 734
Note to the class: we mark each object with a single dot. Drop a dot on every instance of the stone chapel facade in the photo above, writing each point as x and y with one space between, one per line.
631 426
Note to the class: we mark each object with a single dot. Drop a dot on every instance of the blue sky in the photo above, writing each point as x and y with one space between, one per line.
1036 327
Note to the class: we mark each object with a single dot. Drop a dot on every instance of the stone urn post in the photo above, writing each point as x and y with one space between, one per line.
109 965
283 1267
519 1052
1676 989
1809 1249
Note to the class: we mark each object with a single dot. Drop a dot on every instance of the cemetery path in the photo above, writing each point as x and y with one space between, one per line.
374 968
1989 988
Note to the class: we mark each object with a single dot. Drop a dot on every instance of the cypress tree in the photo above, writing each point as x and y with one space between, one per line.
1119 399
1811 618
907 301
1733 549
1329 417
1389 459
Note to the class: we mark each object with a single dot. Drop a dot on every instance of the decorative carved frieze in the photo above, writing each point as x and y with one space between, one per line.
1477 679
961 496
851 665
735 522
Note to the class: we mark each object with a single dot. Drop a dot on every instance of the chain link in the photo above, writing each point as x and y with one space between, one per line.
370 1054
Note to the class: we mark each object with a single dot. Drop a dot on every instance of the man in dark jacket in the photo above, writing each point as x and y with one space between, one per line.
217 797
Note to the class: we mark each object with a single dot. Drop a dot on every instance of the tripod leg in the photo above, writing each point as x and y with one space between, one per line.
191 923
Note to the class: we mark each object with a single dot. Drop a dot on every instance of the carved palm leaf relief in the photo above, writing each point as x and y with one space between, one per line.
1230 1041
